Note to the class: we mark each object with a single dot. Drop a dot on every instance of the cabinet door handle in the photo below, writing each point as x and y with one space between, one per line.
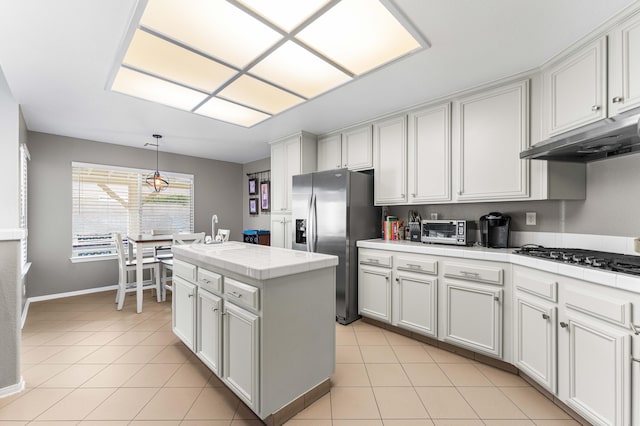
545 316
397 279
338 166
190 294
595 108
386 278
235 294
563 324
402 195
413 195
616 100
496 298
214 309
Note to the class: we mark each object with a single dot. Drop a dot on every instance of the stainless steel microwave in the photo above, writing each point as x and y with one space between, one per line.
455 232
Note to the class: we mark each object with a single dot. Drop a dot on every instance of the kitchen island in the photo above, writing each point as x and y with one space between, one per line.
261 318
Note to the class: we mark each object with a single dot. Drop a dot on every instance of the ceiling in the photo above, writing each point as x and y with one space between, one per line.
57 57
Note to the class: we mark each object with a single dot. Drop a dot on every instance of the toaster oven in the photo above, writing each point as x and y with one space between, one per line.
455 232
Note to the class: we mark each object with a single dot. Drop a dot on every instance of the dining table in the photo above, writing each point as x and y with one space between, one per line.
141 242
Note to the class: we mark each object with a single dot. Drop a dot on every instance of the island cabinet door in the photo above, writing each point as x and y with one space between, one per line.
184 310
241 353
209 327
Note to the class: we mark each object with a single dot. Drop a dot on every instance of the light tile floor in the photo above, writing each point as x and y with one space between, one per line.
87 364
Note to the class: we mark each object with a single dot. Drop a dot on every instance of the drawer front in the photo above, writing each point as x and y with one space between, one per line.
474 273
596 305
184 270
539 285
209 280
415 264
241 293
377 259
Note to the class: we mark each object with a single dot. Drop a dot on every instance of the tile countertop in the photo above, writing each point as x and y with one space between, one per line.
598 276
255 261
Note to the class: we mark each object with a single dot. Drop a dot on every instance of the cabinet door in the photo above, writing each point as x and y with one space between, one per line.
241 357
624 66
493 130
281 235
390 161
574 89
357 152
535 340
597 371
374 293
330 153
417 303
473 317
285 163
429 155
184 311
209 326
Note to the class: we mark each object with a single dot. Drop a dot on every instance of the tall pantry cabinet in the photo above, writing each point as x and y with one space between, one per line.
290 156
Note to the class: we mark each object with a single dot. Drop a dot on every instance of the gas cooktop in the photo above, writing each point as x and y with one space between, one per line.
613 262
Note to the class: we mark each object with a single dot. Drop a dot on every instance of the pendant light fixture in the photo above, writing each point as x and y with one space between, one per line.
155 180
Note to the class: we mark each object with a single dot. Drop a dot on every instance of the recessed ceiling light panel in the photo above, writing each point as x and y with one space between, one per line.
299 70
230 112
360 35
154 89
252 92
160 57
286 14
215 27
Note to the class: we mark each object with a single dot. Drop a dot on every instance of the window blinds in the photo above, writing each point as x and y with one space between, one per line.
108 199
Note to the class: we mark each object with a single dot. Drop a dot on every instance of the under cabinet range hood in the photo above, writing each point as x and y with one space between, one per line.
603 139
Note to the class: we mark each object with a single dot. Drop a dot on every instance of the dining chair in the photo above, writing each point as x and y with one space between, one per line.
161 252
125 266
167 263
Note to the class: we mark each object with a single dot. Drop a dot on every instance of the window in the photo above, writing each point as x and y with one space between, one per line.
109 199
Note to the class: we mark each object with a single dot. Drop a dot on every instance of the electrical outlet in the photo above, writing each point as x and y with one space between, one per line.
434 216
531 218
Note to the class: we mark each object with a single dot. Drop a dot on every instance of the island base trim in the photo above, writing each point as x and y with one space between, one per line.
284 414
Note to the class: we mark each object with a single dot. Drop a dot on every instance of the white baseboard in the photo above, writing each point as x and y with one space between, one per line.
13 389
63 295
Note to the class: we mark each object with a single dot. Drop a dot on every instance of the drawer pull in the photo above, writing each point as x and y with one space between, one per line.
470 274
235 294
563 324
204 280
616 100
545 316
373 260
414 266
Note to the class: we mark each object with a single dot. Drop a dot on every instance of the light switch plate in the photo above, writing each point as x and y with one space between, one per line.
531 218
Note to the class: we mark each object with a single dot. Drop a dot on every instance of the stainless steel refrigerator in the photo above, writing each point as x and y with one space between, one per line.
331 211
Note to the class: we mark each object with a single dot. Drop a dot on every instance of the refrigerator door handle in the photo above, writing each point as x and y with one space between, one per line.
314 227
308 230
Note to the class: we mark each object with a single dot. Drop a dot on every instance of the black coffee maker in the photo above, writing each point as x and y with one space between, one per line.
494 230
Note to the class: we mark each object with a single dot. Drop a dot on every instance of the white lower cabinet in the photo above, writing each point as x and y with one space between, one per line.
184 311
417 307
473 316
209 330
535 340
241 339
374 292
281 232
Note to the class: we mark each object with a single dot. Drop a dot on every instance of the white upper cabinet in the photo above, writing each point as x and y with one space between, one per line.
624 66
290 156
429 155
493 128
357 152
390 161
330 152
575 89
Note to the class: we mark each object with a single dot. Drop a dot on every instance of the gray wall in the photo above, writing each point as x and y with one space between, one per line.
10 269
611 206
217 190
261 220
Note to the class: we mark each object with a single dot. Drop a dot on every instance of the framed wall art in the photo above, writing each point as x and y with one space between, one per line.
253 186
253 206
265 200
